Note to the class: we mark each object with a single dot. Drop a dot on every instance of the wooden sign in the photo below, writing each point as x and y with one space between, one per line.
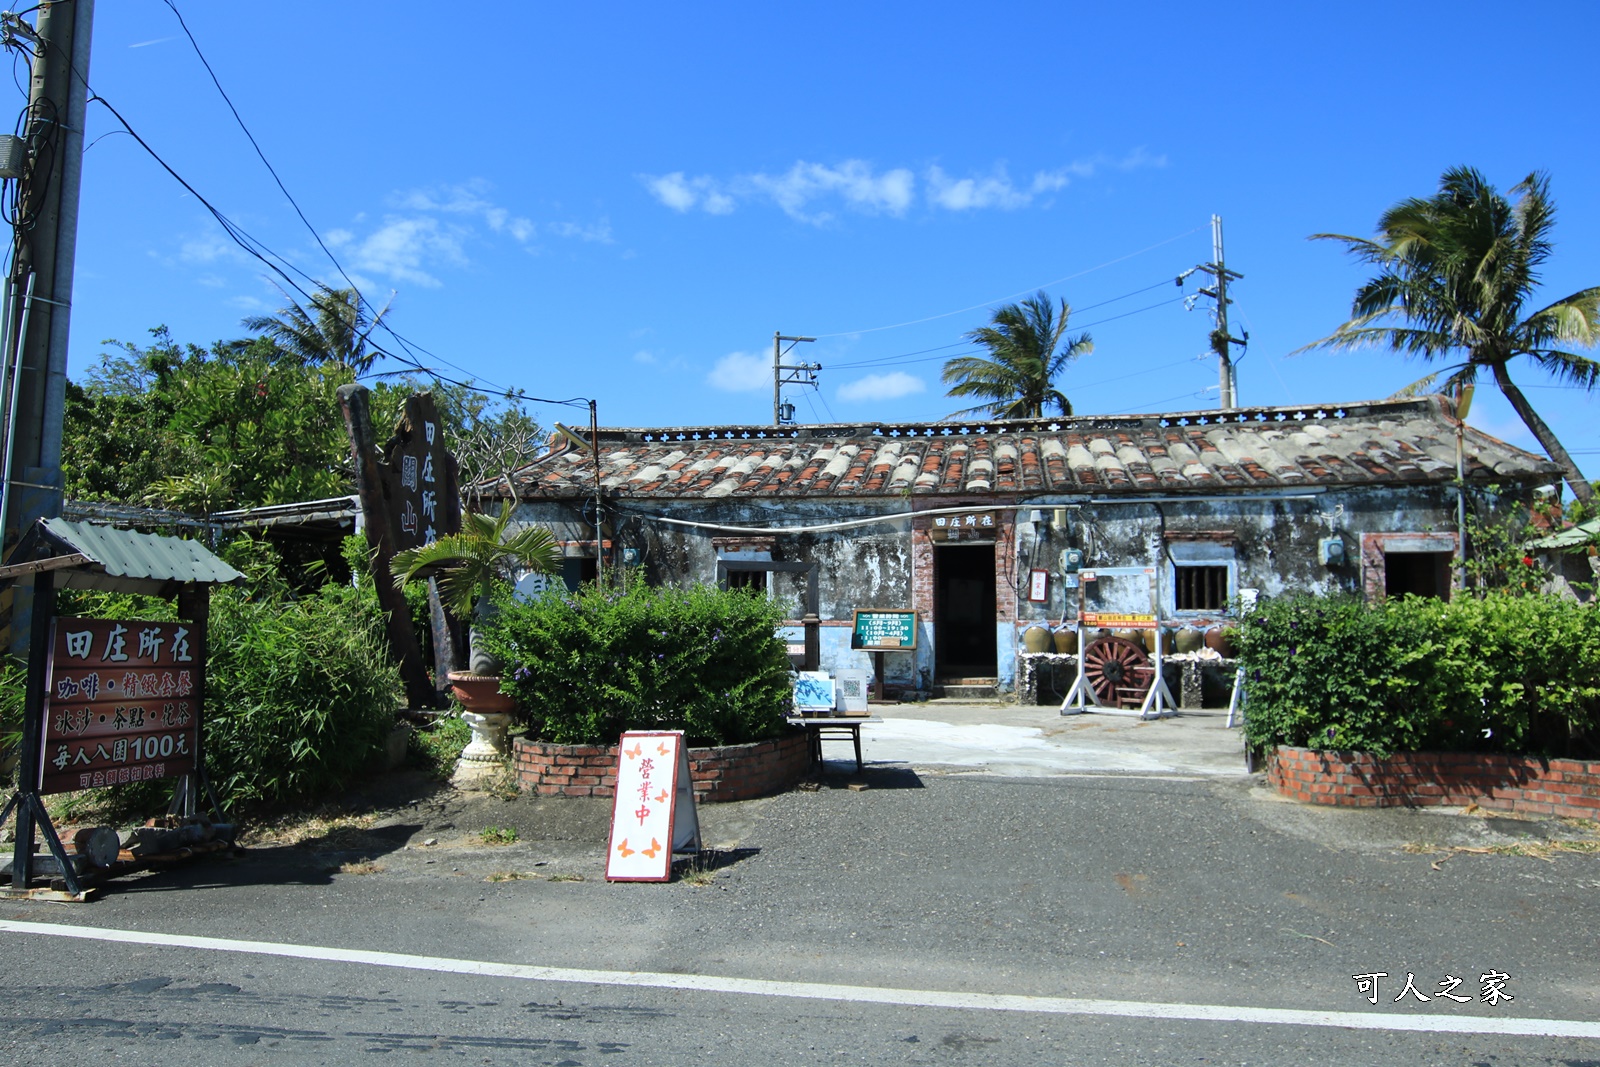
121 703
653 814
884 631
974 525
422 495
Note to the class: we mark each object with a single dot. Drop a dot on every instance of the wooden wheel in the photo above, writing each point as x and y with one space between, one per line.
1119 670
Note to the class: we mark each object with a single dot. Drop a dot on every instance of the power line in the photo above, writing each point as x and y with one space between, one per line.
1022 292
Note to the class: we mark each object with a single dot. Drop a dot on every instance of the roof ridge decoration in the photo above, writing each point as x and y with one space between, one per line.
1294 413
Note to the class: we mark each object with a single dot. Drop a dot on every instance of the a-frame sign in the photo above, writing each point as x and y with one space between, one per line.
108 700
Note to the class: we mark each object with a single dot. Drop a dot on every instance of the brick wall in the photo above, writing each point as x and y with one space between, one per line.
1498 782
735 772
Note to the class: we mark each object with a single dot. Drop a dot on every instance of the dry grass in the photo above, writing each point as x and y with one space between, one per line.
510 876
360 867
566 877
327 828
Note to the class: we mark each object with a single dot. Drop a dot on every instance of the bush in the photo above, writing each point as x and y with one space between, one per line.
1506 674
301 693
588 666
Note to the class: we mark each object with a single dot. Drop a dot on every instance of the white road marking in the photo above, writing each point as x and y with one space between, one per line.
914 998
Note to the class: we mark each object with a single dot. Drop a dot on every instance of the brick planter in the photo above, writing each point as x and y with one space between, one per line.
734 772
1495 781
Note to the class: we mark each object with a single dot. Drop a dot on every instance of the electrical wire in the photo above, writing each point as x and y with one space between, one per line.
1021 292
259 153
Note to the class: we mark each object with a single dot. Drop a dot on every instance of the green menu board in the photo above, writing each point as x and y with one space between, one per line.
885 631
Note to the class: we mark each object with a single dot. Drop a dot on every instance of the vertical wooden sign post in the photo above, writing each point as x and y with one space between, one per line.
653 814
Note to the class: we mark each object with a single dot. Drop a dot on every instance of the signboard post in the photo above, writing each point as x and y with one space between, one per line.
653 814
880 631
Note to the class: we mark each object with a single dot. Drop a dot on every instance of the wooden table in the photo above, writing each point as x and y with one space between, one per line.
833 728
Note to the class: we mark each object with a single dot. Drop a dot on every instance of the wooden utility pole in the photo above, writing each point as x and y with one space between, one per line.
39 290
1221 340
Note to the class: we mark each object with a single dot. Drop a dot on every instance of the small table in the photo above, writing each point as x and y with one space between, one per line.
833 728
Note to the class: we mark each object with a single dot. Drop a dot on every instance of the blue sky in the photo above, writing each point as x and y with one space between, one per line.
625 202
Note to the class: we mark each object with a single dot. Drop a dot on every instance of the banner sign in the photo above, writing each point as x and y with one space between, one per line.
884 631
121 703
653 814
1119 621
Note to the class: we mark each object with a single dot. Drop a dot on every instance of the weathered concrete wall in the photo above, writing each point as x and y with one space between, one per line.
1271 545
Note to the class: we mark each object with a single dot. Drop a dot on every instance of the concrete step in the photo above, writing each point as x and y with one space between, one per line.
966 689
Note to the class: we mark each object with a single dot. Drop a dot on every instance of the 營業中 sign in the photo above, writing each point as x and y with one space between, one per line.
653 814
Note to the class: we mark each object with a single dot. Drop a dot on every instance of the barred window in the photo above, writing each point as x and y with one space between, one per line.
1200 588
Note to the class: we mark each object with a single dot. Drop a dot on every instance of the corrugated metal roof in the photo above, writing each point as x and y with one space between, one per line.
1385 443
127 561
1582 534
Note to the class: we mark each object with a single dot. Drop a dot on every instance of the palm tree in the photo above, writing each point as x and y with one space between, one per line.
467 564
1455 271
1028 347
335 328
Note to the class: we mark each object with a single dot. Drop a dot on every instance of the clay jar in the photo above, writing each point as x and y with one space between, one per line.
1066 640
1189 640
1036 639
1220 640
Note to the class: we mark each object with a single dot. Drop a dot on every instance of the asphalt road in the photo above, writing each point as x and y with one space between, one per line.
1156 920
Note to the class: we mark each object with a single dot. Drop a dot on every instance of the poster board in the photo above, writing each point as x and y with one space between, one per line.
884 631
653 814
120 703
813 693
850 691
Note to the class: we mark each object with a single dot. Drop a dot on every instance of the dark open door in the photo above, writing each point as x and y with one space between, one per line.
964 611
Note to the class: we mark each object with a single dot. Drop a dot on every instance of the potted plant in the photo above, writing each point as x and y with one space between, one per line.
468 565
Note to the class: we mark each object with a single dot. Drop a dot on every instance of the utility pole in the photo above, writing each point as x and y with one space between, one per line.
39 290
799 374
1221 340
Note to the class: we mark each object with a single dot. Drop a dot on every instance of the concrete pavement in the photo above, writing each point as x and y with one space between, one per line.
1027 741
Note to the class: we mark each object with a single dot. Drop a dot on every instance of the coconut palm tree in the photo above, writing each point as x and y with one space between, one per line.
1028 347
335 328
1455 271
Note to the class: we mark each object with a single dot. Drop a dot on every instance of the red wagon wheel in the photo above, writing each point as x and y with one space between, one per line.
1119 670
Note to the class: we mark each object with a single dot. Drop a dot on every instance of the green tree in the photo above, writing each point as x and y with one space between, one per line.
1028 347
334 328
1455 272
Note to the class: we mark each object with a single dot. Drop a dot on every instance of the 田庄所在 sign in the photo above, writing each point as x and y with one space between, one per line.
973 524
122 703
884 631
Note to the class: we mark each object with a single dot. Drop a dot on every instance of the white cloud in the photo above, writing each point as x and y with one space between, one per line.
741 372
806 190
599 233
644 355
967 194
681 193
469 198
881 387
853 180
403 249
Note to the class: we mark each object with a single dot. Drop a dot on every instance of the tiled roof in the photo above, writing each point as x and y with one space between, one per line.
1382 443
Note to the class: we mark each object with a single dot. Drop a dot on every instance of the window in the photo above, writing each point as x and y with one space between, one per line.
1201 575
747 580
1200 588
1419 573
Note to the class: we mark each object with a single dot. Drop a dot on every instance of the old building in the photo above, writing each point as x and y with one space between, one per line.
984 528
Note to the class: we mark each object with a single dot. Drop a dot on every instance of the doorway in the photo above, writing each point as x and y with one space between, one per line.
964 611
